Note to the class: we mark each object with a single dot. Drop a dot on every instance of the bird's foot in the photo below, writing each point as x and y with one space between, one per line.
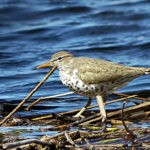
78 116
104 125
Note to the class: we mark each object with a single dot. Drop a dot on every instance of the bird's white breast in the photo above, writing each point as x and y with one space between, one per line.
76 85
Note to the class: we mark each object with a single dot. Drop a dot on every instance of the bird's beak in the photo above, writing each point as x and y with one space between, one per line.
48 64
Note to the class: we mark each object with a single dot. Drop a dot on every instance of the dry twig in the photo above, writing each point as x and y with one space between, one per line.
62 134
123 122
48 97
24 142
70 140
136 97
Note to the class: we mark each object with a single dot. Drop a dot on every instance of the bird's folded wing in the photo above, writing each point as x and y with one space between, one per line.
94 73
102 74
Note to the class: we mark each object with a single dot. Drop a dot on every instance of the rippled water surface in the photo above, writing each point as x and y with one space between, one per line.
31 31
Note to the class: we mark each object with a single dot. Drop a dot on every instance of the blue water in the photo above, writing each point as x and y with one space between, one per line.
32 31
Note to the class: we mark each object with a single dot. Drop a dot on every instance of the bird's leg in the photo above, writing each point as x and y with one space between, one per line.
102 111
104 99
84 108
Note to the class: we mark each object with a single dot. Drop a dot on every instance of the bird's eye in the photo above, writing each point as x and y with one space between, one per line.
59 58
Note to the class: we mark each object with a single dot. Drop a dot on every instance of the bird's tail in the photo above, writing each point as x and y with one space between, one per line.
147 71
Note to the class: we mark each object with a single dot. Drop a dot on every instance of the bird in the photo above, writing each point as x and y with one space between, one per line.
91 77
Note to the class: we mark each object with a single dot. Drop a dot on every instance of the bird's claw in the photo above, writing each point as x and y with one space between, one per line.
104 125
78 116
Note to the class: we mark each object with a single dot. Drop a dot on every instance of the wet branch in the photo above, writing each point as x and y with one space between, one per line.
24 142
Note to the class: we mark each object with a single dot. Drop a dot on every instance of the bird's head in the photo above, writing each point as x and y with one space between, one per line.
56 59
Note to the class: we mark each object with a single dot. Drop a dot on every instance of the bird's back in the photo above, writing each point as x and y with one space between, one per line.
93 71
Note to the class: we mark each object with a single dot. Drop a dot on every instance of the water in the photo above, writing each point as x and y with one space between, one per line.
31 31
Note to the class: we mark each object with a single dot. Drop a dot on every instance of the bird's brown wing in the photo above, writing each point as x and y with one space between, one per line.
94 71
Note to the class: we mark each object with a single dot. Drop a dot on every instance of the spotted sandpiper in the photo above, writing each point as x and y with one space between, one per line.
93 77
